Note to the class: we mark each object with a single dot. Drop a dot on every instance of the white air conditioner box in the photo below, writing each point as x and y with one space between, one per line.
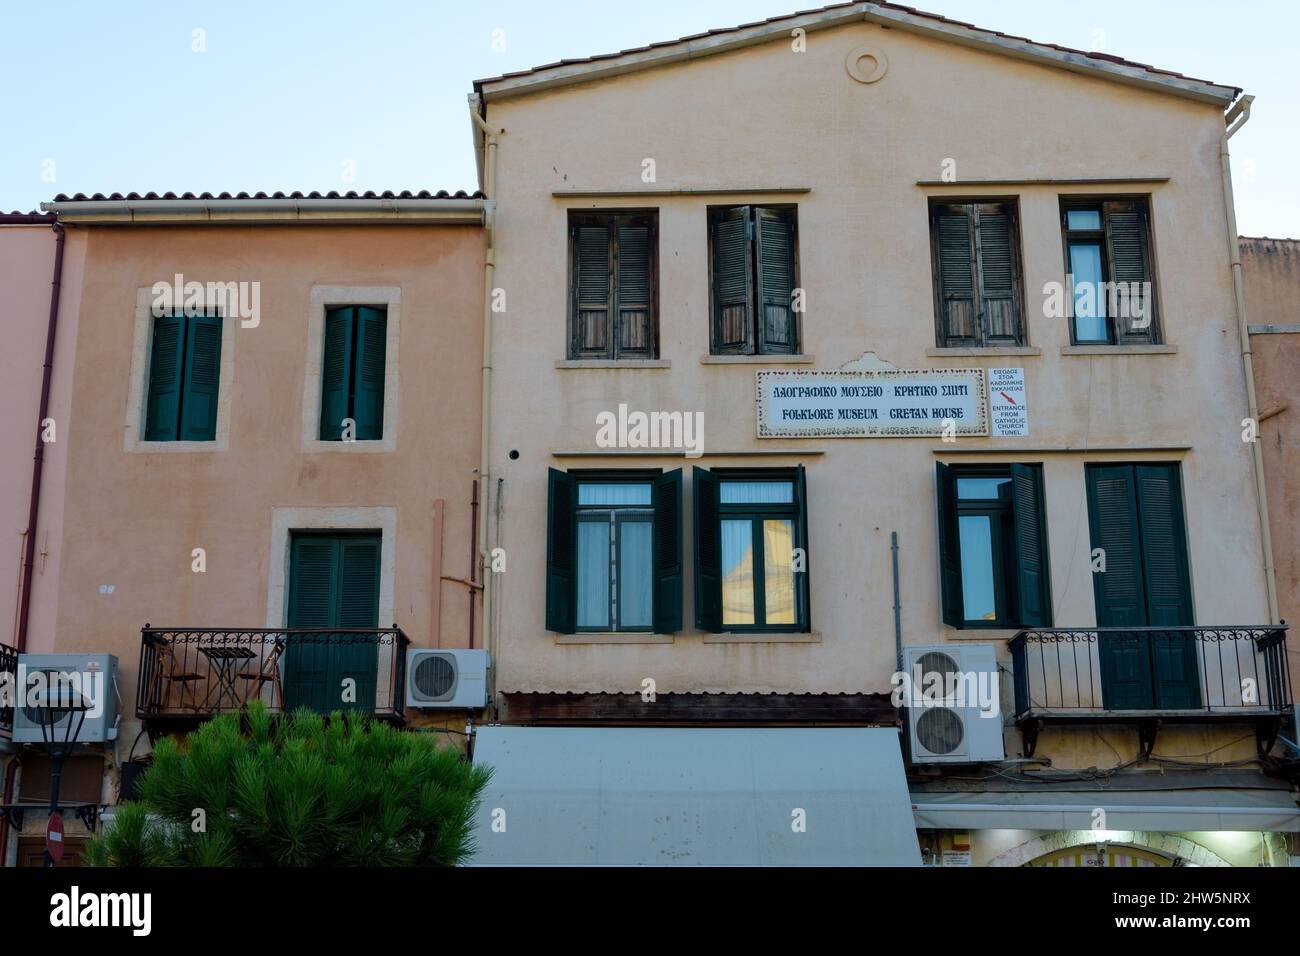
63 694
953 702
446 679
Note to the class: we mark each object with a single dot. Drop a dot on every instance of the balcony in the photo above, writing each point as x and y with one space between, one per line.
1149 676
190 674
8 688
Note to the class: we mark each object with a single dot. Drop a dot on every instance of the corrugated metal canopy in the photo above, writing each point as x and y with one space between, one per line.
1168 811
606 796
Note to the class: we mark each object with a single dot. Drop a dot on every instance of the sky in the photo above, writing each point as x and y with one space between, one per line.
115 95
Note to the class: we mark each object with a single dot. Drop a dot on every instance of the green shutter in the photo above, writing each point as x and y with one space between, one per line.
803 605
668 552
1129 256
1032 565
202 378
166 369
774 257
1125 661
336 372
954 253
708 551
592 290
561 551
1113 524
995 241
949 547
313 597
355 656
368 392
1164 546
733 287
635 291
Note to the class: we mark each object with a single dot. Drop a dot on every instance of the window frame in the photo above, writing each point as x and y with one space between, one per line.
753 341
611 219
352 372
1006 599
1012 204
1102 237
615 516
184 360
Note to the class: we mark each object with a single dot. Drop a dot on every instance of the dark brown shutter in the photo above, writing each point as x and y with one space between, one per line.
954 263
774 255
635 291
733 303
1128 248
995 238
592 291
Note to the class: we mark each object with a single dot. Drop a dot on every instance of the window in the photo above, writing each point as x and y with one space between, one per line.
754 270
184 378
614 554
352 374
993 546
975 250
613 286
1135 516
1108 256
751 550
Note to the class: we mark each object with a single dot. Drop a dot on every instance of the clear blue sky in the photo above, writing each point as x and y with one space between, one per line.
113 93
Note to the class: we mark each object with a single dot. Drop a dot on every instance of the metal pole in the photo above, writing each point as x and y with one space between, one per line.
898 608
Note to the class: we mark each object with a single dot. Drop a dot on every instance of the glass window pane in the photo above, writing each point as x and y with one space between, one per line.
1089 294
593 574
1083 219
756 493
737 572
982 488
778 571
635 574
613 493
976 533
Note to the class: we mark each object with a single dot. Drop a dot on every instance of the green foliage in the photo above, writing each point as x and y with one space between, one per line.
297 790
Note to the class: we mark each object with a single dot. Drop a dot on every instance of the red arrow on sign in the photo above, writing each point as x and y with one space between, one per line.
54 836
1009 399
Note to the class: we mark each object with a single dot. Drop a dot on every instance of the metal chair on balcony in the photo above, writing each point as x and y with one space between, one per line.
169 675
268 673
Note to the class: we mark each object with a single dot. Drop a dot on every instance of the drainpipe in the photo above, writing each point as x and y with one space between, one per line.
29 552
1234 120
489 147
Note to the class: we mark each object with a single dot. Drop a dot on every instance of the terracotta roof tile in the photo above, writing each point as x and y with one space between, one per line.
370 194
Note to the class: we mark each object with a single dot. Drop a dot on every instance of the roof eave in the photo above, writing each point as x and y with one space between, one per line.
303 211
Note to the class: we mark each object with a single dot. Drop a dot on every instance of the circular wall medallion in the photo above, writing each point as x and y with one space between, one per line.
866 64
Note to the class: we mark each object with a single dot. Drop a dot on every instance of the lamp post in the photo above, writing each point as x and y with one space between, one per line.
59 703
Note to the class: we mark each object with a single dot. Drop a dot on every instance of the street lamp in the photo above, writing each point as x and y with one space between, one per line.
60 701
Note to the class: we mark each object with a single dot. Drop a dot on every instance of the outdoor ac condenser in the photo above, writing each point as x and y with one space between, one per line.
447 679
963 722
55 692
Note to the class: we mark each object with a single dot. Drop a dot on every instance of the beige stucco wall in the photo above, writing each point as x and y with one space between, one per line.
134 517
767 117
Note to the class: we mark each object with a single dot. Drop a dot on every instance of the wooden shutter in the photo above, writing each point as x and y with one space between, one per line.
803 600
368 392
733 286
336 372
1113 525
1164 546
668 552
774 256
592 285
635 290
166 369
1129 255
313 599
949 546
355 656
999 280
708 551
1032 566
202 378
952 235
561 551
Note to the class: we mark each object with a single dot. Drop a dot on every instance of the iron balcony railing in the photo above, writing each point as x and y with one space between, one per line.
189 674
1189 672
8 688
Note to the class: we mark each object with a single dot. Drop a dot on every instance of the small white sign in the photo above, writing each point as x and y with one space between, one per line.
956 857
1009 418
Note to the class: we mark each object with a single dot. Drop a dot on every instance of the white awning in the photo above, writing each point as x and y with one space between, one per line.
608 796
1168 811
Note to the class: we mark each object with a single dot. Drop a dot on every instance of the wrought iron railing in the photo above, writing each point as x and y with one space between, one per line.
1157 671
195 673
8 688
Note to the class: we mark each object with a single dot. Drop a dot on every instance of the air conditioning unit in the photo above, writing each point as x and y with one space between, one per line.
447 679
953 704
59 694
